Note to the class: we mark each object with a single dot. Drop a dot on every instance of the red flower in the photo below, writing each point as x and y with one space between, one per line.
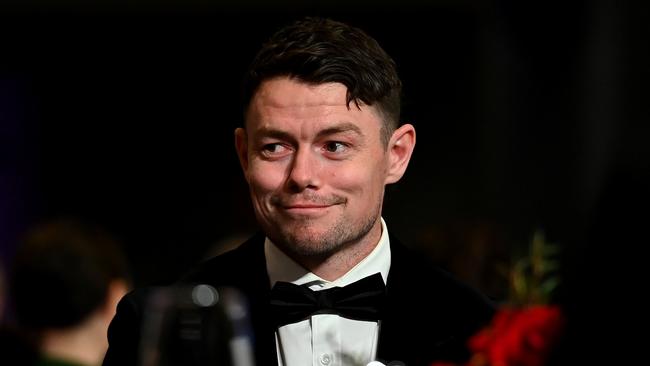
523 333
518 337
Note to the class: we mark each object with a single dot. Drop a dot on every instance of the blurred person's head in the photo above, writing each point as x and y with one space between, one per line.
66 280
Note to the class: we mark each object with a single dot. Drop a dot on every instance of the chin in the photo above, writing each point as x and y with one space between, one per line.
310 242
313 250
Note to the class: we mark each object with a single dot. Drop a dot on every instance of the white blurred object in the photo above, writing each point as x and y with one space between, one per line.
196 325
236 308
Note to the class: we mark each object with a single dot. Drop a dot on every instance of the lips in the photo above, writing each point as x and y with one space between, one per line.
306 209
301 211
305 206
306 203
314 206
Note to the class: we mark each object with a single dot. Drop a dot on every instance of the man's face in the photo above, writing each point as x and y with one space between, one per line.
315 168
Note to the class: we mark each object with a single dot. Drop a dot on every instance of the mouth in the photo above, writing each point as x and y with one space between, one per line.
306 209
307 206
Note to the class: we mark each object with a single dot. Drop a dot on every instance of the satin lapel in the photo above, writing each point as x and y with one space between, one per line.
406 332
429 314
390 326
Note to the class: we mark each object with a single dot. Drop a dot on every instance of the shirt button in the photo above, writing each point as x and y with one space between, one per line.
325 359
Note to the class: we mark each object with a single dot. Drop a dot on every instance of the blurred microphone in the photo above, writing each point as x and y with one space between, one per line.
196 325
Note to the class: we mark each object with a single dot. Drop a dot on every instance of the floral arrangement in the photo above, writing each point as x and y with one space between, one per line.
525 329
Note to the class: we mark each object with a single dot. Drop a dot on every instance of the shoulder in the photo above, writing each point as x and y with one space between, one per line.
226 269
243 267
422 298
412 266
416 277
232 268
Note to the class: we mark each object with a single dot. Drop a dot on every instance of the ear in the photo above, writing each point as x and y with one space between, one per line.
399 152
241 144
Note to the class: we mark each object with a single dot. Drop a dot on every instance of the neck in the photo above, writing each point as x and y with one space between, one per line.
343 260
85 344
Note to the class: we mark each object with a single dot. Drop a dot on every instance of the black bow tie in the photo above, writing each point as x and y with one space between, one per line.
361 300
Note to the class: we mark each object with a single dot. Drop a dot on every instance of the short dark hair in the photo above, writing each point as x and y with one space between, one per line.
319 50
61 273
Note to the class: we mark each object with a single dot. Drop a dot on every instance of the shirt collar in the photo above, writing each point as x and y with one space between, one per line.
281 267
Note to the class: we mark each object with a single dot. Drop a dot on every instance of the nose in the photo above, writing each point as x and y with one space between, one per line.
303 172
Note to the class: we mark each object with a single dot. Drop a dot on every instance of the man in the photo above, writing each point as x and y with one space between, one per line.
321 141
66 280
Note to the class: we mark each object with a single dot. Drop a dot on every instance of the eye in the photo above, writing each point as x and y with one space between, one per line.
335 147
274 150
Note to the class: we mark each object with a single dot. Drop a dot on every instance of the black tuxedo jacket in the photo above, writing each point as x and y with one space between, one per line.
429 314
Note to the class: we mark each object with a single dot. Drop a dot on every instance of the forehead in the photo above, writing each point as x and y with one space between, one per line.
288 92
285 99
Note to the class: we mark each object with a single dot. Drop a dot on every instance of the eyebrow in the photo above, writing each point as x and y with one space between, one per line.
274 133
343 127
340 128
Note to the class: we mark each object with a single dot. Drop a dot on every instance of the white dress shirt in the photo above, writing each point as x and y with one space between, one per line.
327 339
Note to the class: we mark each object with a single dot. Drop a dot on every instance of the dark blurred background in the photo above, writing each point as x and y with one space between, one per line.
530 116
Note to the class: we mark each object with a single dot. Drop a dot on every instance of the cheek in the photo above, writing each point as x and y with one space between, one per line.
264 178
361 179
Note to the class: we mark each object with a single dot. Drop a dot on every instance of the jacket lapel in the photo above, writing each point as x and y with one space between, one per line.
410 330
